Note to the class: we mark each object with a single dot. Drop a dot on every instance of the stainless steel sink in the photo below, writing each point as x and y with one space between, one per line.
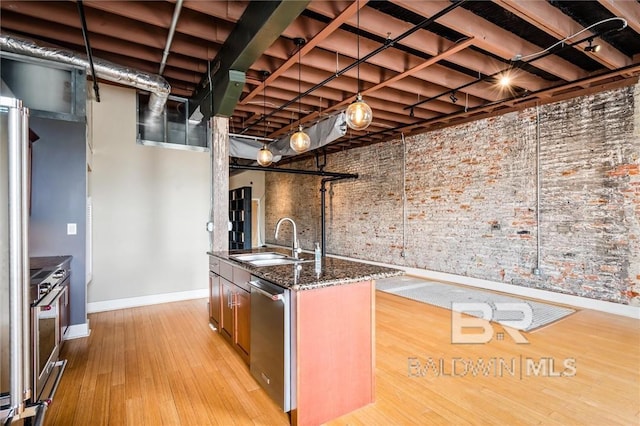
265 259
251 257
271 262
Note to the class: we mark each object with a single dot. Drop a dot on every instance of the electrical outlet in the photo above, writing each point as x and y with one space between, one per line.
72 229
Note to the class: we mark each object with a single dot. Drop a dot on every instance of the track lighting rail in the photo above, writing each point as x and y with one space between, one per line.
517 64
388 43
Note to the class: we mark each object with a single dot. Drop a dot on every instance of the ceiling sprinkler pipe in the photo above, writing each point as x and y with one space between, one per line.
106 70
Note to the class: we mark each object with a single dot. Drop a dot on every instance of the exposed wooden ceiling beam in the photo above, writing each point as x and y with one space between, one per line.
492 38
551 20
383 25
554 94
630 10
308 46
452 50
191 23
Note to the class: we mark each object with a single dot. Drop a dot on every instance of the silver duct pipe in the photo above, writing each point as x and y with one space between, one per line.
322 133
106 70
172 31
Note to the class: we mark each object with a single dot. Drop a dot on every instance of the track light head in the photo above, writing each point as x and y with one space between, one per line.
453 98
592 47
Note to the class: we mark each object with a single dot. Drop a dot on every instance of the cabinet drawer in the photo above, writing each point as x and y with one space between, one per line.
241 278
226 271
214 265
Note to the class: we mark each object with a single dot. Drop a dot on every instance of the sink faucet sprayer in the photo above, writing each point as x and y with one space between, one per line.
294 247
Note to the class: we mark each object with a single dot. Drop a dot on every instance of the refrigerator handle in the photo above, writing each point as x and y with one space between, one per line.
26 314
18 261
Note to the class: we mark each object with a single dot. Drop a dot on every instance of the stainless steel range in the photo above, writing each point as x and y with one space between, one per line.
49 296
33 304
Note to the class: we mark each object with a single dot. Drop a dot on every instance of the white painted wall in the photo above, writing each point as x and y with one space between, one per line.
255 180
150 207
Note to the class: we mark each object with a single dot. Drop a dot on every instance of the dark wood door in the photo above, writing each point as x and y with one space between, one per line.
215 299
227 311
242 339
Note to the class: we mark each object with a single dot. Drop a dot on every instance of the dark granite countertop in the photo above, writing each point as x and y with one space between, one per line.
303 275
47 262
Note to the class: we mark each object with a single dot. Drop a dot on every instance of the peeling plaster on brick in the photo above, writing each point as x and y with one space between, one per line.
471 199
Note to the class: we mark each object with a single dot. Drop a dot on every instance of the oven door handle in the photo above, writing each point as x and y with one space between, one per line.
50 298
273 296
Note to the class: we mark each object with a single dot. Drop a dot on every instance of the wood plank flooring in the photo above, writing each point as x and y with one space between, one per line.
162 365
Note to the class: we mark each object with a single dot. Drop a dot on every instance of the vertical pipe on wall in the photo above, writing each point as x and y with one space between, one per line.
323 215
323 218
536 269
404 197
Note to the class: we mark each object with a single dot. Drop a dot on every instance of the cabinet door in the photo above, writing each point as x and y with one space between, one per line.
215 299
227 311
243 322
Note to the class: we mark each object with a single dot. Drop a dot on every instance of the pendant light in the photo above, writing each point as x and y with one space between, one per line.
265 157
300 141
359 114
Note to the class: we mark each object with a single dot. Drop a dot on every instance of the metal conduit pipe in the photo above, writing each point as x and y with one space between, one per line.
295 171
385 46
323 215
106 70
172 31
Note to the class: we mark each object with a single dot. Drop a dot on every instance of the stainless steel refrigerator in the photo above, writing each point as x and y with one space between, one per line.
15 376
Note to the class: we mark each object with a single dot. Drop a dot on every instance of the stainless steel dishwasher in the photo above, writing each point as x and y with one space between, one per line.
270 356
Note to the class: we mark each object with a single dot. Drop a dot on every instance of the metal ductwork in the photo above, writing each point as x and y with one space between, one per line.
321 134
106 70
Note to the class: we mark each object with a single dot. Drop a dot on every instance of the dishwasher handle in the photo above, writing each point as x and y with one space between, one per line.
273 296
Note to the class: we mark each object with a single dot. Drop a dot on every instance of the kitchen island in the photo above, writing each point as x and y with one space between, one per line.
332 320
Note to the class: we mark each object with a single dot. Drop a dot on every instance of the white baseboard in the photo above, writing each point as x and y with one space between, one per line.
545 295
154 299
77 331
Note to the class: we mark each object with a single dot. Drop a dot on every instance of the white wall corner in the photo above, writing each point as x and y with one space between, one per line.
77 331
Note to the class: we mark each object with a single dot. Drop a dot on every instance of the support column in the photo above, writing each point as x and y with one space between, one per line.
220 183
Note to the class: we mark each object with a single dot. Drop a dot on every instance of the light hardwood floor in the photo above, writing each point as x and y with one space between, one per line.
162 365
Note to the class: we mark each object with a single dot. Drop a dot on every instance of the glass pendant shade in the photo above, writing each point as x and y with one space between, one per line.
265 157
300 141
359 114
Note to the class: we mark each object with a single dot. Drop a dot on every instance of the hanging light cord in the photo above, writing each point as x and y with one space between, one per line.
299 85
264 104
358 44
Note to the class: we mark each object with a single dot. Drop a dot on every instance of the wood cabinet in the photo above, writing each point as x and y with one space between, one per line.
215 299
242 307
227 323
230 305
215 295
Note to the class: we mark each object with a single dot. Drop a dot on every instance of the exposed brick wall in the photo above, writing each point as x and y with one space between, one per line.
471 199
297 197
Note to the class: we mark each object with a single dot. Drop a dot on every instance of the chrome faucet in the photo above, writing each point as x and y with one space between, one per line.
295 249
